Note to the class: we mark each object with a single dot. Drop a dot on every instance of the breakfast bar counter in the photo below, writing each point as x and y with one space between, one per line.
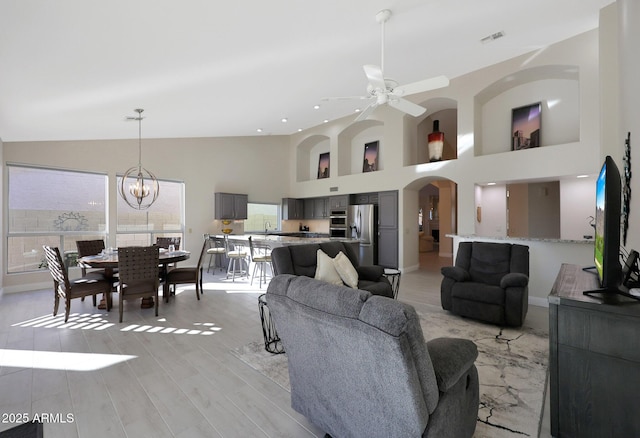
278 240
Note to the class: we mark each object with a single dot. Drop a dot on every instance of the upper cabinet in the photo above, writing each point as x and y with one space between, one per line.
230 206
338 202
316 208
292 209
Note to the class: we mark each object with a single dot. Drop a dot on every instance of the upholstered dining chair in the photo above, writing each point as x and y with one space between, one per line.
139 274
70 289
261 259
215 252
186 275
237 255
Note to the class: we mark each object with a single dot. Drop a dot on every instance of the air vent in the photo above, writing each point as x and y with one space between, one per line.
333 189
492 37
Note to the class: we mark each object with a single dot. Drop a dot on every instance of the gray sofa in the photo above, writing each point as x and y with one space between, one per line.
301 260
489 282
359 365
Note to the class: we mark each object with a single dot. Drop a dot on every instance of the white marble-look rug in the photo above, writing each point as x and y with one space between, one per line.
512 368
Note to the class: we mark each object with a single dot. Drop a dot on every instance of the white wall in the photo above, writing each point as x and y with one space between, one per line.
577 203
493 204
2 241
628 32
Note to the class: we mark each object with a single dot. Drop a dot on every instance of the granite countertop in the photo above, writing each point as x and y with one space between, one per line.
282 240
520 239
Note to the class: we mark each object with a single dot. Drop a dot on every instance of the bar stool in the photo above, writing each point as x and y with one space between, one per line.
236 255
261 258
215 252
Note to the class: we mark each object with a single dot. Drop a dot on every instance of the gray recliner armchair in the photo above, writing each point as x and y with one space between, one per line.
359 365
489 282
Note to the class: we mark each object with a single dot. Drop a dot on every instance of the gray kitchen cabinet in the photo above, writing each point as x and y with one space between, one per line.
388 229
338 202
230 206
292 209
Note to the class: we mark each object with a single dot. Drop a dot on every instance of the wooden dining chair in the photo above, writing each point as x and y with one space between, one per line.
70 289
89 248
186 275
139 274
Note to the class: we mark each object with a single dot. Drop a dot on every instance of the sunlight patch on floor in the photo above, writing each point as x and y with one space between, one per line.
57 360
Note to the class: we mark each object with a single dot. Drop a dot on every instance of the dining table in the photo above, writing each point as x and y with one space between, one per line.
108 261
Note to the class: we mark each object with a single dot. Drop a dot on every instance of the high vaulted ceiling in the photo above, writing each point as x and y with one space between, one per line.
74 69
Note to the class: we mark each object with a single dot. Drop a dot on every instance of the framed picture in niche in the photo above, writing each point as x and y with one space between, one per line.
323 165
370 160
525 126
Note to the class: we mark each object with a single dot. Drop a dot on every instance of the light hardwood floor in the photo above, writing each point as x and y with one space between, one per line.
171 376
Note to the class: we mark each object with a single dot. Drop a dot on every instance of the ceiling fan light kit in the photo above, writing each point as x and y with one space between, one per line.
386 91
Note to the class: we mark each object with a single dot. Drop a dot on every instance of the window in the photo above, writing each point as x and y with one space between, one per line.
165 218
52 207
261 217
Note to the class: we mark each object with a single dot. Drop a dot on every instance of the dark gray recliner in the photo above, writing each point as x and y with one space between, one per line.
302 260
359 365
489 282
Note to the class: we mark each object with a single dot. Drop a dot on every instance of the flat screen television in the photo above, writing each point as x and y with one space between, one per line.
606 254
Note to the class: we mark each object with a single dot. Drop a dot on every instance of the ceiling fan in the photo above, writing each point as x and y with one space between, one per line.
381 90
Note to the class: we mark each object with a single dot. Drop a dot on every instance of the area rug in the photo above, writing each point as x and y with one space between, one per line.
512 368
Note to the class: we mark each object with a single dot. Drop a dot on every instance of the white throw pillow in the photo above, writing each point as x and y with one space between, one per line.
345 269
325 270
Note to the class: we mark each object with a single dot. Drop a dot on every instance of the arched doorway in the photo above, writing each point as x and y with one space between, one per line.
437 217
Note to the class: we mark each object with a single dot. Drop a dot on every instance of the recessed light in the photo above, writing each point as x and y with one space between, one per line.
299 129
316 107
326 121
284 120
259 129
582 176
357 110
491 184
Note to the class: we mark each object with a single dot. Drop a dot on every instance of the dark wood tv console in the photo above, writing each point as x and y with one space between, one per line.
594 359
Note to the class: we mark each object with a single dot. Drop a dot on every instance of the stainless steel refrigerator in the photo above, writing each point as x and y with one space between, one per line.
363 226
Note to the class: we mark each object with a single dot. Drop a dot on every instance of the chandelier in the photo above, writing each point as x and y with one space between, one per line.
143 191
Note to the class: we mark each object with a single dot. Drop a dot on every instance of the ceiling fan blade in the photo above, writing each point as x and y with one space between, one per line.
367 112
407 107
421 86
375 77
346 98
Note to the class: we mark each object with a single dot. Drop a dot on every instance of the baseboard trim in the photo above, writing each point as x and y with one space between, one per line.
538 301
27 287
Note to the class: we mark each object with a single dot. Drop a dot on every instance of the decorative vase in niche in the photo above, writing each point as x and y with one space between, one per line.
436 142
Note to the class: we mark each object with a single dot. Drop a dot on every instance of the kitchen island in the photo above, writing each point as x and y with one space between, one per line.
274 240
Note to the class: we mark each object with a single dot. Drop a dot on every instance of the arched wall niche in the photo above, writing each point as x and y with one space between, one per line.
556 87
443 109
351 143
308 153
